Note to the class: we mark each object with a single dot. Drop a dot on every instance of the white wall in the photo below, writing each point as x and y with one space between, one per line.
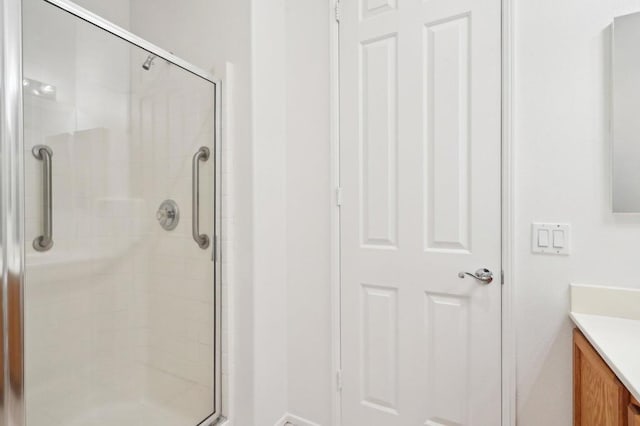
309 198
562 174
270 212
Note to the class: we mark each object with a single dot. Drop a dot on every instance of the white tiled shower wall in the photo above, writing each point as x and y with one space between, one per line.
217 36
119 323
173 124
214 35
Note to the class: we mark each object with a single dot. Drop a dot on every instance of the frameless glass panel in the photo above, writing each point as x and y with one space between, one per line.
119 311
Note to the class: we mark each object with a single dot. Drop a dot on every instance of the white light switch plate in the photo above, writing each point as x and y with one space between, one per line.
551 238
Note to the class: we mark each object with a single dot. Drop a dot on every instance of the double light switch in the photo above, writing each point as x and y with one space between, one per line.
551 238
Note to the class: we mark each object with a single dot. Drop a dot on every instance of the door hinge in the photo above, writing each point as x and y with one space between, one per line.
339 379
338 10
338 196
214 254
502 277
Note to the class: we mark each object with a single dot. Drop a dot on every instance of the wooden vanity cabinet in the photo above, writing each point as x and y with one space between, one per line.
599 398
633 413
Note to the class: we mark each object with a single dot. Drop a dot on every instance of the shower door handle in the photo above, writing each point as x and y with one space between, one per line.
201 239
45 241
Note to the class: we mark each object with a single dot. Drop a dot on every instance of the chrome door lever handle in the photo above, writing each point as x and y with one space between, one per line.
482 274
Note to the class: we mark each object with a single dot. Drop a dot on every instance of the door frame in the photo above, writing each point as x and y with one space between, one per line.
508 349
12 238
11 216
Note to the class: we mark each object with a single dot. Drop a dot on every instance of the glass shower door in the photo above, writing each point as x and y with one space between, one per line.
119 288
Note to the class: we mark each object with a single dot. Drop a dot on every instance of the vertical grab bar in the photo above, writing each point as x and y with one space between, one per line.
45 241
201 239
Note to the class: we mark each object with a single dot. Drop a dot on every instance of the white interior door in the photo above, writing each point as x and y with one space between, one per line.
420 128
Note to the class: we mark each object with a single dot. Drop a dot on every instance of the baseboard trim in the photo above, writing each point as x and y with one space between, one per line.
293 420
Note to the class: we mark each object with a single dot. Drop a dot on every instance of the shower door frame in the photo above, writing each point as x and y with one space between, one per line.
12 248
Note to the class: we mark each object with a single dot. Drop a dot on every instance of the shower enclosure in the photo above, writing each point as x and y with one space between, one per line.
109 219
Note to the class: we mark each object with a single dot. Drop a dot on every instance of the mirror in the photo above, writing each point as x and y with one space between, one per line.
626 114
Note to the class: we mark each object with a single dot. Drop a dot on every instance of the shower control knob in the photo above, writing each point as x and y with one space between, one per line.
168 215
165 215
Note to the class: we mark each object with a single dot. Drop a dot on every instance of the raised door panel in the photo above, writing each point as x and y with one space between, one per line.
378 144
447 101
447 341
374 7
379 349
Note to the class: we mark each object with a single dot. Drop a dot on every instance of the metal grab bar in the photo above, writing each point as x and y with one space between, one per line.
45 241
201 239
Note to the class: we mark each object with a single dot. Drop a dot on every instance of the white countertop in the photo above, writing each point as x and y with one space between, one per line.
617 340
